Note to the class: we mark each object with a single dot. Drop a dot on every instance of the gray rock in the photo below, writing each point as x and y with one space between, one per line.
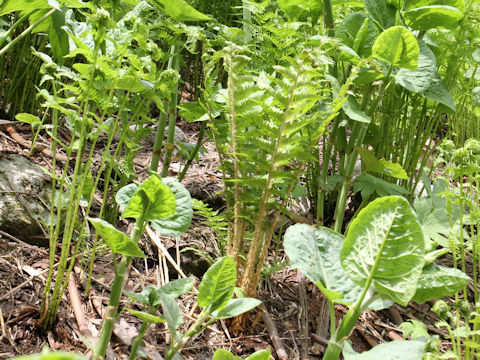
23 184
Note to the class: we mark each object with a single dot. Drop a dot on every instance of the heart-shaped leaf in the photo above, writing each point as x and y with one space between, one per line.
117 241
381 12
398 349
28 118
384 247
398 47
316 253
429 17
301 9
420 79
438 281
358 32
152 199
260 355
179 222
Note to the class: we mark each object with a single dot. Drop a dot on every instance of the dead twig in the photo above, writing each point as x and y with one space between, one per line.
77 306
303 315
27 144
319 340
273 332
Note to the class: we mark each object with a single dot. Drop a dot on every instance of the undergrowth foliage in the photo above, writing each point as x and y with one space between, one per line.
266 126
348 118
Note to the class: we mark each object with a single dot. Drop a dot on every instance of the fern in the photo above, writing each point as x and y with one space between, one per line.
260 133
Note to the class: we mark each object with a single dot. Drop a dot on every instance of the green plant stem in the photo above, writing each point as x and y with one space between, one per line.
172 120
26 32
192 331
14 26
234 245
328 17
194 152
115 294
204 123
138 340
356 139
162 121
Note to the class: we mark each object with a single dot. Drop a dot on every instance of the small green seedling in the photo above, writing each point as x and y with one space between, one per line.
155 200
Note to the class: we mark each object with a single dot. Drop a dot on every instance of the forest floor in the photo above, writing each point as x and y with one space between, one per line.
291 303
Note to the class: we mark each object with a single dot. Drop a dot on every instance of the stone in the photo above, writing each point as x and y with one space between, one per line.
23 184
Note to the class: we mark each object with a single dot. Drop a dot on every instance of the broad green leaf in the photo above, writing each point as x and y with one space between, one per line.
476 56
353 111
438 281
414 329
10 6
316 253
142 297
115 239
366 77
385 243
46 355
260 355
172 313
45 25
125 194
301 9
150 295
78 4
57 36
381 166
152 199
347 54
429 17
368 184
217 285
358 32
381 12
179 10
433 215
179 222
420 79
236 307
173 289
394 350
28 118
192 111
222 354
412 4
439 93
150 318
131 83
398 47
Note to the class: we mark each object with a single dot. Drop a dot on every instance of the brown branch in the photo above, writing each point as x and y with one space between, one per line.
303 314
27 144
273 332
77 306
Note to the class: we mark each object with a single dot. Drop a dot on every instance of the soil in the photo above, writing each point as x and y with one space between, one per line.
293 303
